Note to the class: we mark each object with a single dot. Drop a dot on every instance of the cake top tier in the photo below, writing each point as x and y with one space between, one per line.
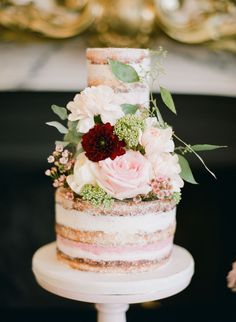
101 61
124 55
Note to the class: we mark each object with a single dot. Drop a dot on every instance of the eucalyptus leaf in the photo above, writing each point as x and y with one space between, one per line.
61 128
73 136
167 99
123 72
60 111
129 108
72 125
206 147
186 172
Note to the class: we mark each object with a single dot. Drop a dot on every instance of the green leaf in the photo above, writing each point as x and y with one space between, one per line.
60 111
97 119
61 128
167 99
123 72
72 125
207 147
129 108
186 172
73 136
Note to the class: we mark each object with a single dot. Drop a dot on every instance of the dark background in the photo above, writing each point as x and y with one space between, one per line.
206 215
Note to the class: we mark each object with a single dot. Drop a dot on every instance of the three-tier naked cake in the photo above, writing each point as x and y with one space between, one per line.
116 173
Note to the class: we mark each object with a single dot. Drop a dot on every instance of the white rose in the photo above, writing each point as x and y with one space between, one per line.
167 165
84 171
96 100
156 140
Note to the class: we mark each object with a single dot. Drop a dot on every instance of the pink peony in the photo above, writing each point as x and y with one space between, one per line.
126 176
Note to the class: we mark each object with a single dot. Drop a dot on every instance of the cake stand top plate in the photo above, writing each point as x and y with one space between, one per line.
60 279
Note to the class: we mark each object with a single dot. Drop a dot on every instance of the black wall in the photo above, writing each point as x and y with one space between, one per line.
206 215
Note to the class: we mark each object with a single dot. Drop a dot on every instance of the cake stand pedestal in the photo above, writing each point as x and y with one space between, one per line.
112 292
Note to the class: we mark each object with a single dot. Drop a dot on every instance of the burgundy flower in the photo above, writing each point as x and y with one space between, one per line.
101 143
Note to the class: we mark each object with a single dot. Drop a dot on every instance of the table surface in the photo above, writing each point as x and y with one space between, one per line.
58 278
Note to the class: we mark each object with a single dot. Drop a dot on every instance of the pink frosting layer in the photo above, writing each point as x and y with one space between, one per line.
98 250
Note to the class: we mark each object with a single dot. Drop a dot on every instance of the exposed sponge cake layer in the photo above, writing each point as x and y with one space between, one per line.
112 266
119 208
89 221
104 239
128 237
154 251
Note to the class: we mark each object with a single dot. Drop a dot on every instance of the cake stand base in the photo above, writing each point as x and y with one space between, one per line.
111 312
112 292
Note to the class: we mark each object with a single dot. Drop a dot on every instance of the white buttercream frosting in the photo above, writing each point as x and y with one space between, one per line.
82 221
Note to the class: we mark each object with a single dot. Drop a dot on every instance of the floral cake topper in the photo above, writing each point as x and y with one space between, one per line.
112 150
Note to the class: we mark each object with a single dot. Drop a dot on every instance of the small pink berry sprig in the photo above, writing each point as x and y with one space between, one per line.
63 162
162 188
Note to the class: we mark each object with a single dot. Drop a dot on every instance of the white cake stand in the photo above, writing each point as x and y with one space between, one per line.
112 292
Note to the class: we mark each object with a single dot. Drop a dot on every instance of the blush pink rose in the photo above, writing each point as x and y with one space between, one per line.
126 176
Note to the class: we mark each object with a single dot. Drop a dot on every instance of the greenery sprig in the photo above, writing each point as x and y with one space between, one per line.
71 136
97 196
127 73
187 148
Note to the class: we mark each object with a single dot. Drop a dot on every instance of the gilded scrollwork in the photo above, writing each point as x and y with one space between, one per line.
124 23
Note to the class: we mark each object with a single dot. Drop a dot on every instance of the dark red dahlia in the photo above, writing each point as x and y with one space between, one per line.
100 143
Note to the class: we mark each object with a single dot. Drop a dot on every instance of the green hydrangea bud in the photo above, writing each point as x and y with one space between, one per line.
176 196
97 196
128 129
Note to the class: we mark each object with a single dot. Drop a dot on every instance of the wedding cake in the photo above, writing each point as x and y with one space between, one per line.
117 174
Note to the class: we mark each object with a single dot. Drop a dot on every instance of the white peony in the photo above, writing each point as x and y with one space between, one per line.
95 100
167 165
84 171
156 140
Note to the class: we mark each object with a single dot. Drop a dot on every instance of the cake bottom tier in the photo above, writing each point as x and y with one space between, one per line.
118 266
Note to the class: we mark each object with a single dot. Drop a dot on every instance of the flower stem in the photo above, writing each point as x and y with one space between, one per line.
194 152
159 117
